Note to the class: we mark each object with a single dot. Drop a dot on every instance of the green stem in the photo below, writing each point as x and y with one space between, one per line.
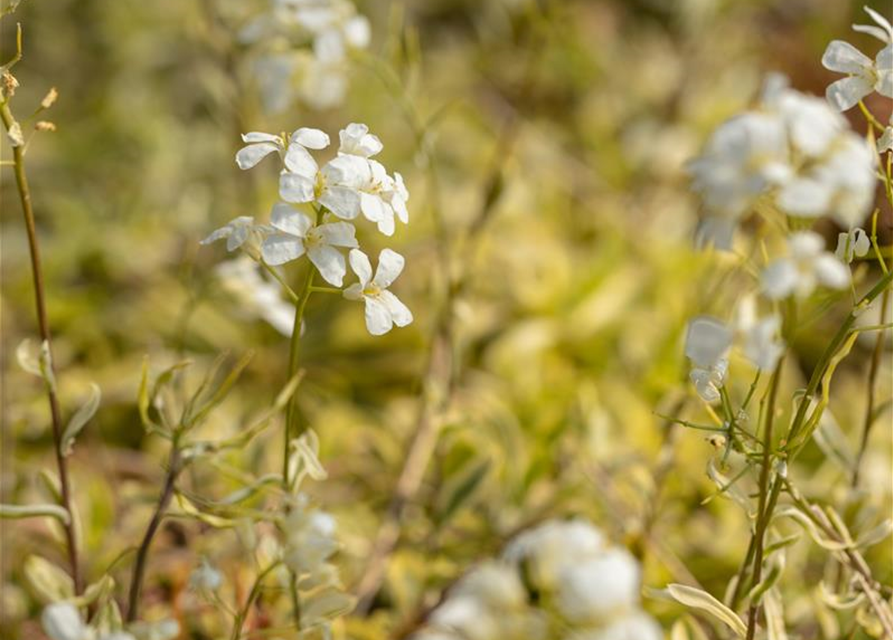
293 354
252 596
288 290
44 329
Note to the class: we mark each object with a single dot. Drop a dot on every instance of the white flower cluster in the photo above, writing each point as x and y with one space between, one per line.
864 75
349 185
256 296
805 266
560 579
63 621
794 152
305 46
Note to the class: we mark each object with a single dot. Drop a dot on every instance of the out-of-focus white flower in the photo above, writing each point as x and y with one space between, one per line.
707 341
885 142
260 297
840 185
597 589
852 244
309 539
205 577
708 381
241 233
62 621
743 157
167 629
760 339
495 583
383 308
545 551
468 617
638 626
298 235
864 75
806 266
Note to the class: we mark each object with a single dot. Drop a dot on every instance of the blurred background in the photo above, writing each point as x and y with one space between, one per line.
559 227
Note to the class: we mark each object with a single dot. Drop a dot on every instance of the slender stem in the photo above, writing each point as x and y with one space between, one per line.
764 510
293 354
242 616
872 379
139 570
288 290
44 329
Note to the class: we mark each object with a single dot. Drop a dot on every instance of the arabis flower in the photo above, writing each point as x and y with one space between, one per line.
885 142
597 589
709 380
297 235
759 336
864 75
356 140
295 154
383 308
805 267
852 244
62 621
297 183
310 539
205 577
241 233
707 341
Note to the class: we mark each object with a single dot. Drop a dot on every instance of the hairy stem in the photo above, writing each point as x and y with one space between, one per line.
142 554
44 329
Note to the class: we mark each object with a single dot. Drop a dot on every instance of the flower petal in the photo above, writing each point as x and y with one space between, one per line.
707 341
295 188
400 313
298 160
258 136
780 278
289 220
361 266
390 264
831 272
310 138
280 249
249 156
845 93
843 57
344 202
330 263
378 318
339 234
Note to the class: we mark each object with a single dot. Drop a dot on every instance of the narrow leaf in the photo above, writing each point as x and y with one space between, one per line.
16 511
81 417
698 599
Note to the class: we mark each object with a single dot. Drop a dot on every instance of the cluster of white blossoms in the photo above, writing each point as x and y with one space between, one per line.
63 621
794 153
863 75
243 279
304 51
316 213
559 580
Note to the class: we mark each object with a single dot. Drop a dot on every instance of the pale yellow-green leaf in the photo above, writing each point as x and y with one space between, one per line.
699 599
15 511
81 417
49 582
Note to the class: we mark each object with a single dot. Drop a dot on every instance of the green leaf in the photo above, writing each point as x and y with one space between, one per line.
15 512
49 582
698 599
81 417
460 489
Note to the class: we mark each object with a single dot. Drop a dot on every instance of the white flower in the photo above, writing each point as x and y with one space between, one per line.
259 146
309 539
242 233
161 630
545 551
383 308
806 266
205 577
863 74
841 184
885 142
356 140
743 157
600 588
297 182
297 158
495 583
708 381
852 244
62 621
468 617
242 278
760 336
339 184
299 235
707 341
